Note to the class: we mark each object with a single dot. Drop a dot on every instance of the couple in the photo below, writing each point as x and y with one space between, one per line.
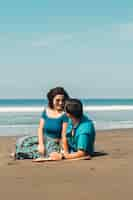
64 131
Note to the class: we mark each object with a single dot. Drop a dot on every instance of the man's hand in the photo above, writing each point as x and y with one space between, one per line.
66 155
55 156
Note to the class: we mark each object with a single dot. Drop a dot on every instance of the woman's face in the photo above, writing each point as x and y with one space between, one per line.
58 102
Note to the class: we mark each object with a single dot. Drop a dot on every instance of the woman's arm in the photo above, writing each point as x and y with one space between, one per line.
41 148
64 139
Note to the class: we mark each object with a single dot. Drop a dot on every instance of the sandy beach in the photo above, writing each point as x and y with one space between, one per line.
107 176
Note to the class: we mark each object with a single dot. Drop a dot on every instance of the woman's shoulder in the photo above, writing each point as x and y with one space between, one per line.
48 113
44 114
64 117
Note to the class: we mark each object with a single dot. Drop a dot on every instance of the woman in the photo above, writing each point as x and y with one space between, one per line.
52 128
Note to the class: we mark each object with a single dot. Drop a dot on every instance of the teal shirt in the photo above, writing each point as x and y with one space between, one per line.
84 136
53 126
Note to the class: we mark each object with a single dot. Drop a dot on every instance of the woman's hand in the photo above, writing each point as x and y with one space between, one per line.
41 149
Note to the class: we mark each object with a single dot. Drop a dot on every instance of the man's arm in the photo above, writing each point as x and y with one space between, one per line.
82 148
74 155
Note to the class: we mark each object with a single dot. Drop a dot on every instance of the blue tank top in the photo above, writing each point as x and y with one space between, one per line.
53 126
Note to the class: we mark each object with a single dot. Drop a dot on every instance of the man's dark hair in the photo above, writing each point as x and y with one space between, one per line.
74 107
56 91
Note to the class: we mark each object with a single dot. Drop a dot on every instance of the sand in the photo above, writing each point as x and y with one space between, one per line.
108 176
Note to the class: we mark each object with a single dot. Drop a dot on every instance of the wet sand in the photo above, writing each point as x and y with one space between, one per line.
108 176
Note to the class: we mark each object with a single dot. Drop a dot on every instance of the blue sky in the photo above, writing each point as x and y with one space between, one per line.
85 46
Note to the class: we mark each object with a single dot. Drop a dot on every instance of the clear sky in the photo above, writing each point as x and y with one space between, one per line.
85 46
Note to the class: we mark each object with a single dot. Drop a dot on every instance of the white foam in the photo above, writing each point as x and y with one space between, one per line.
19 126
108 125
108 108
86 108
21 109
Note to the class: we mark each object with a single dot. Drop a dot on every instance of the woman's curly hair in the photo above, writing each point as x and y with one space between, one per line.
56 91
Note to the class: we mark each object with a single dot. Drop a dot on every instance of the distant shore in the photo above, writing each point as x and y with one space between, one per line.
107 176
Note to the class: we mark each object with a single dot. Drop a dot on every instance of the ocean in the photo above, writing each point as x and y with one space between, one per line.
21 116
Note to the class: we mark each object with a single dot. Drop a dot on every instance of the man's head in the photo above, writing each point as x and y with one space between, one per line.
74 108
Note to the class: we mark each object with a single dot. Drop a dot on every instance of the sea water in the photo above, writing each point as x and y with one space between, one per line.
21 116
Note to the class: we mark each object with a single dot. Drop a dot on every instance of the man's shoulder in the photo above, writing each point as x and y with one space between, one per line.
86 125
86 121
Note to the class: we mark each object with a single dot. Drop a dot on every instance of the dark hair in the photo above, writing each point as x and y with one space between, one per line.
74 107
56 91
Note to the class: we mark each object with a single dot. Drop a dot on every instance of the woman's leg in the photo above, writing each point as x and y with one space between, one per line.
27 147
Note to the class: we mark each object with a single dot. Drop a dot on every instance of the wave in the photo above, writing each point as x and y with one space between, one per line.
109 125
24 129
21 109
19 126
86 108
108 108
98 125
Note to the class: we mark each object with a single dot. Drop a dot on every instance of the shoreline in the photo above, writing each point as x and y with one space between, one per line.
114 130
97 132
107 176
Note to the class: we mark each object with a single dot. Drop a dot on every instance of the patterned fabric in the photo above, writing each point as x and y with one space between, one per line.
27 147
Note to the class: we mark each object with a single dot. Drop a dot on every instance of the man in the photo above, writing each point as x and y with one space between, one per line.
80 135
